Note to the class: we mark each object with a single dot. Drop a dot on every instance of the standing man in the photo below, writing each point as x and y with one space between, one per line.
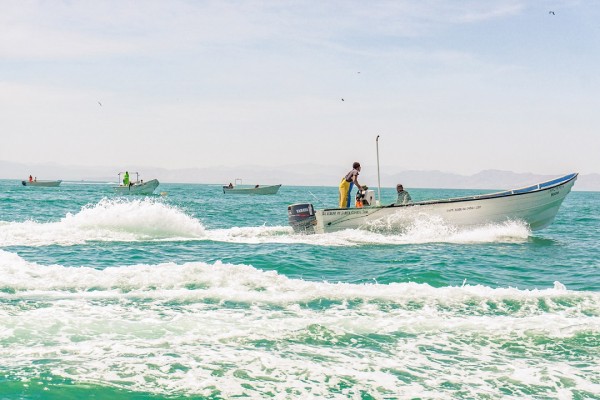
346 184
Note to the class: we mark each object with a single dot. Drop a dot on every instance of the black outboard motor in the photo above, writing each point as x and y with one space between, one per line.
302 217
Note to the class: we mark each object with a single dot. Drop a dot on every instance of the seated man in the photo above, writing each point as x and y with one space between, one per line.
403 196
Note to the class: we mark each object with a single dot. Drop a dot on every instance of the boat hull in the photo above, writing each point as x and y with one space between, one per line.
272 189
535 205
137 188
42 183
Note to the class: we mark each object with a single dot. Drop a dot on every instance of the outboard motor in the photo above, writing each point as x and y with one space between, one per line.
302 217
365 198
369 197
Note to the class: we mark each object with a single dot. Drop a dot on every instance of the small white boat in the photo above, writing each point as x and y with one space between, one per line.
250 189
536 205
135 187
41 183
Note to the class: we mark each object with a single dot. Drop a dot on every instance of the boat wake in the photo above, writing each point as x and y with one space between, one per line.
432 231
240 282
109 220
142 220
144 327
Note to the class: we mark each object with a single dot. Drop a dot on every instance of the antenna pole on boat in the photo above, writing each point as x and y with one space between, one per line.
378 176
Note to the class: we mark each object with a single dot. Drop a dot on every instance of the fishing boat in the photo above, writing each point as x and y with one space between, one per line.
239 188
138 186
41 183
536 205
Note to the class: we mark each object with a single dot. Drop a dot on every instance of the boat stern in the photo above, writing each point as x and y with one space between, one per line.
302 217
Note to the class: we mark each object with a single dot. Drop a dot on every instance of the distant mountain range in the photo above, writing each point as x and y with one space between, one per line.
295 175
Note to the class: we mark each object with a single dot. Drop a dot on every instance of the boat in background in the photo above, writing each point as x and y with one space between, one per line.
41 183
239 188
536 205
135 187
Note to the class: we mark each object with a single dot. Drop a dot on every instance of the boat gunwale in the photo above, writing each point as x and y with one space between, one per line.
250 189
540 187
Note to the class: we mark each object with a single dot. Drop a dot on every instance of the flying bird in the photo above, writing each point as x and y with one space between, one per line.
551 12
100 104
342 99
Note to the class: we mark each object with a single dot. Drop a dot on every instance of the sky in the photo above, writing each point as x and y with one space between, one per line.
456 86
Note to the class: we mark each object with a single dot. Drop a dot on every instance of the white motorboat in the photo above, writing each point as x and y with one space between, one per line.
135 187
238 188
41 183
536 205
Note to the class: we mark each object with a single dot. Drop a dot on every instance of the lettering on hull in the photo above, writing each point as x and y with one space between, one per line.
348 212
463 208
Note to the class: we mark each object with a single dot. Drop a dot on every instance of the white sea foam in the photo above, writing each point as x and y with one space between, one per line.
239 283
191 328
421 231
108 220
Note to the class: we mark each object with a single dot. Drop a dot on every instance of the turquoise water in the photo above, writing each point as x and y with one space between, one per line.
199 295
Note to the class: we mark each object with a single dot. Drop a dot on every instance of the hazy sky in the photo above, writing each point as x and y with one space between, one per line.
458 86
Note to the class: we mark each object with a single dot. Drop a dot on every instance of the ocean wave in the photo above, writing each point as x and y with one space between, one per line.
231 282
233 330
109 220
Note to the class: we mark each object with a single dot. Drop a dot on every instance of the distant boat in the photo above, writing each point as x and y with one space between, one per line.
41 183
136 187
250 189
536 205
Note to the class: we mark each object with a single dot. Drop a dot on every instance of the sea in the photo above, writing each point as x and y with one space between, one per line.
193 294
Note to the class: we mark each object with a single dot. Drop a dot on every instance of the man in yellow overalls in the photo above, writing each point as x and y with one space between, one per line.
346 184
126 179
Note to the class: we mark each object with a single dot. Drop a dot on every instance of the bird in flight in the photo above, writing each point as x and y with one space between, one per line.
100 104
551 12
342 99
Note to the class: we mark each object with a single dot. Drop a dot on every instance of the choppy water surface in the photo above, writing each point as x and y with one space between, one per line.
199 295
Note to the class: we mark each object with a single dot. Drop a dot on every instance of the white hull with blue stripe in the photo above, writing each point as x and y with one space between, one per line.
536 205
